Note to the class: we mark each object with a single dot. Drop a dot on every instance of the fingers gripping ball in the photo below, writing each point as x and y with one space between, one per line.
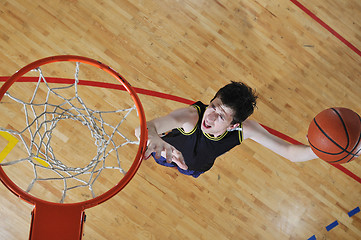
335 134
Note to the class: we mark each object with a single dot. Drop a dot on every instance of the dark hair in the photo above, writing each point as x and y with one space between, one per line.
240 98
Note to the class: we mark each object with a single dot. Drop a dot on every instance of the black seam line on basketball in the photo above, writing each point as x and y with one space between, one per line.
344 127
324 151
333 154
357 144
353 155
338 153
348 140
342 159
324 133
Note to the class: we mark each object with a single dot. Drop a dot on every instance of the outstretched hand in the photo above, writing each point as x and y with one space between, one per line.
185 118
160 147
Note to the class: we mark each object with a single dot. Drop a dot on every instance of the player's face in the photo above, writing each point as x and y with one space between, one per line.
217 118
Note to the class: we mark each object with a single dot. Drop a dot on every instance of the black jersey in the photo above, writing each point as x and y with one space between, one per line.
200 149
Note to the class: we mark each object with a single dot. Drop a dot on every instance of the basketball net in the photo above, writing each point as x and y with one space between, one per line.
41 120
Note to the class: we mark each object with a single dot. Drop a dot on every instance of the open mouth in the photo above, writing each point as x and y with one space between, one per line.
205 125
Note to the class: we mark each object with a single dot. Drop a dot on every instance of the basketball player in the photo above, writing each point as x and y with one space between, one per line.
191 138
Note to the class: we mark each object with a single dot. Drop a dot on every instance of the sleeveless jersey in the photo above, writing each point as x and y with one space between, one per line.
200 149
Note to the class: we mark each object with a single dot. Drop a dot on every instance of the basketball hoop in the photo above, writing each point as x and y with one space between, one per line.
59 220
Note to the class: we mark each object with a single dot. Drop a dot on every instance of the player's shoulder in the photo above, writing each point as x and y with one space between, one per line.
192 115
251 128
249 124
186 118
185 115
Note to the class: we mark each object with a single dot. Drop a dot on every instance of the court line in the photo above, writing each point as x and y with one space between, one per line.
327 27
312 238
353 212
332 226
336 223
106 85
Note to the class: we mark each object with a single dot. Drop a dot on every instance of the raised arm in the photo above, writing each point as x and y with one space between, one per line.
185 118
295 153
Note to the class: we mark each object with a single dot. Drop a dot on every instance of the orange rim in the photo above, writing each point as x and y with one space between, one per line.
143 132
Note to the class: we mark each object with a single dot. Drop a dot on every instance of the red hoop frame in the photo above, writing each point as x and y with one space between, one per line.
65 220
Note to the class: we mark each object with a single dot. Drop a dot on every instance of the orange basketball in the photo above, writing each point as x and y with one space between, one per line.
335 134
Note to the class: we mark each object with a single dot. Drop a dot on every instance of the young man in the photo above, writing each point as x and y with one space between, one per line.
200 133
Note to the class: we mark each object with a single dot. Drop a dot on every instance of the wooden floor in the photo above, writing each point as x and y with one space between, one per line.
190 48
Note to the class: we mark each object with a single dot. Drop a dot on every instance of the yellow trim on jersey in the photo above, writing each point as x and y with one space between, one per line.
215 138
195 127
187 133
240 133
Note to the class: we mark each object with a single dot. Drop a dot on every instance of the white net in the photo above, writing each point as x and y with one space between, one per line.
57 124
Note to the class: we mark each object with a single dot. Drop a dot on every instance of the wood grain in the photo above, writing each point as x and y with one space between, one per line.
190 49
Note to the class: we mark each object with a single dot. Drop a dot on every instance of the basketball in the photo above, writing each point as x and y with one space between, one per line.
334 135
